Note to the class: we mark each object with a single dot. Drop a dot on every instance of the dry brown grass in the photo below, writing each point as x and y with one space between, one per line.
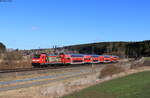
144 61
15 64
13 60
109 70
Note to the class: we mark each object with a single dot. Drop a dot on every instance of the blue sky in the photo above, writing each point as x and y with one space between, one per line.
27 24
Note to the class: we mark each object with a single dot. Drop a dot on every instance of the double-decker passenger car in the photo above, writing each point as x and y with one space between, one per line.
101 58
95 58
73 58
87 59
107 59
114 58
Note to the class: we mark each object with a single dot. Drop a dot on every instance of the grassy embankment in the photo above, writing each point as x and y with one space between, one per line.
132 86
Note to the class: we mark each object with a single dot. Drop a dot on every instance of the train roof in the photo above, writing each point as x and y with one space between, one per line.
51 55
115 56
106 56
75 55
95 55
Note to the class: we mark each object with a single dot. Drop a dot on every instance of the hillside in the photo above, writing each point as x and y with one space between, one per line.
122 49
124 87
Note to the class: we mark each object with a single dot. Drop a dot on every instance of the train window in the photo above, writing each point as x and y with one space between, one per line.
36 56
77 61
95 60
68 58
87 59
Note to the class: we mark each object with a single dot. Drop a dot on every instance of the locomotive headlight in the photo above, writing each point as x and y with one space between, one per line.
35 60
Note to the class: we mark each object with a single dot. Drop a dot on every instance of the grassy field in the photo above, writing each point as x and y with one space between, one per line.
132 86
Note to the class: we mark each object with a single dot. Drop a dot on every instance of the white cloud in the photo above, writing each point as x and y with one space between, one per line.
34 27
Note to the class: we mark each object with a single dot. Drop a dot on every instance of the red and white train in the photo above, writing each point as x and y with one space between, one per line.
48 59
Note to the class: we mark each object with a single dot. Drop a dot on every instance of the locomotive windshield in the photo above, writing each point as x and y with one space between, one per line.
36 56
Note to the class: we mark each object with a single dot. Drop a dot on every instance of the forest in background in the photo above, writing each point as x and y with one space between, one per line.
122 49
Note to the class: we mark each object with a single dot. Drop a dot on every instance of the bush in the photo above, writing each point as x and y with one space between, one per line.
109 70
144 61
13 55
2 48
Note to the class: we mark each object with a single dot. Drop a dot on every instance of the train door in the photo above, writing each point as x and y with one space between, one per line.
43 59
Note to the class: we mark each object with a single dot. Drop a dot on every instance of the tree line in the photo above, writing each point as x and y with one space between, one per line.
2 47
122 49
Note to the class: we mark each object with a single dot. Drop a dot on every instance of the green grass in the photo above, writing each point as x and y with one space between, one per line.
132 86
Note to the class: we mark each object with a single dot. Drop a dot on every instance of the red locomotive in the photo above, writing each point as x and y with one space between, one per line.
45 59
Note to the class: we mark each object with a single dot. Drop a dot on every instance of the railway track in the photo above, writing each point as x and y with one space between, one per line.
59 73
45 79
44 68
18 70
